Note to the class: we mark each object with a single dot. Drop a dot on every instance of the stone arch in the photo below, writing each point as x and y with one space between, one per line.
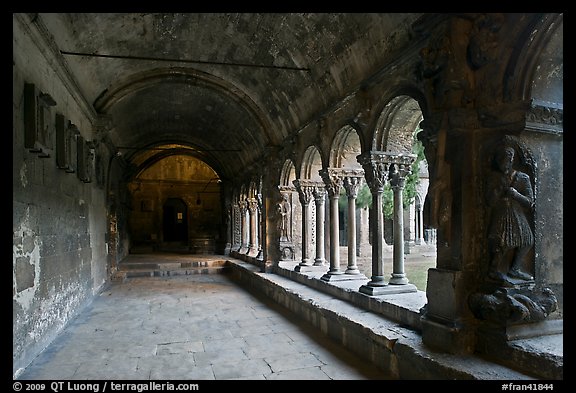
311 164
147 157
345 147
253 186
396 124
287 174
535 70
145 79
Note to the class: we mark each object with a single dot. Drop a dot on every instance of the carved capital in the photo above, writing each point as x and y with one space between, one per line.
243 206
375 169
400 168
333 180
305 189
352 185
319 193
252 205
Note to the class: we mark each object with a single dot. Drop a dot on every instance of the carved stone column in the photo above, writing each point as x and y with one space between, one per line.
260 211
333 182
253 211
304 189
376 174
236 228
319 197
352 183
399 169
244 226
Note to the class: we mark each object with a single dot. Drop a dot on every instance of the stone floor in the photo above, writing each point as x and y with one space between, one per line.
192 327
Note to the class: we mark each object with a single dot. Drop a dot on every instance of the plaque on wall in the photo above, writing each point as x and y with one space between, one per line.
65 135
84 159
71 135
38 125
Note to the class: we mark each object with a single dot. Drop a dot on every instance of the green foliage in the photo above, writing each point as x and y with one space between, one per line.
364 199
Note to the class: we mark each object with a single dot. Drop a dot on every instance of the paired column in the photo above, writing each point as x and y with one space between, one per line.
352 183
398 174
376 174
305 189
333 183
378 168
243 205
319 197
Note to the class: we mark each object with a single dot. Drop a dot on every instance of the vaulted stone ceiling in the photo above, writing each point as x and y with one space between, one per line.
228 85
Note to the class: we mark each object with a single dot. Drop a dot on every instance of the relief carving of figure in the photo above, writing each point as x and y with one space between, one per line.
510 235
285 209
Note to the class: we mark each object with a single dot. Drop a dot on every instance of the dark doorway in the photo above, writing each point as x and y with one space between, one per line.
175 221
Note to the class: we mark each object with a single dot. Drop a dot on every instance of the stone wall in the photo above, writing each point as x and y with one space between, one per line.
59 220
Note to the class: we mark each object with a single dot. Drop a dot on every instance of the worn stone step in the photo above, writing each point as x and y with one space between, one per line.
155 265
135 272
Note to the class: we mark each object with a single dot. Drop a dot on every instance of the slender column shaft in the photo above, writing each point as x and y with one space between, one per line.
305 234
260 232
333 184
244 224
377 278
305 194
253 245
420 235
397 182
352 267
352 185
319 196
334 236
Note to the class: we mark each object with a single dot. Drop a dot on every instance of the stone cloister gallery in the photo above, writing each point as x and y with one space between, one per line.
285 143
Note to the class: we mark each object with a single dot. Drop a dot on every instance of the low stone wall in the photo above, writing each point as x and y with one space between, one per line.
390 346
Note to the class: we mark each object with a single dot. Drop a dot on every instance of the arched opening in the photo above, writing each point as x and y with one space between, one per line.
175 221
345 148
396 135
176 204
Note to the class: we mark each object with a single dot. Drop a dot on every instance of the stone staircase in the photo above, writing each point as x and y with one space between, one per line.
165 264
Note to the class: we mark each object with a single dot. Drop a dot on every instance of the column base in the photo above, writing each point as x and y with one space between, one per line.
398 279
309 268
353 270
252 252
340 276
387 289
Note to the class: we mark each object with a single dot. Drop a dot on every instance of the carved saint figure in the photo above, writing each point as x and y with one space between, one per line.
285 209
510 235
